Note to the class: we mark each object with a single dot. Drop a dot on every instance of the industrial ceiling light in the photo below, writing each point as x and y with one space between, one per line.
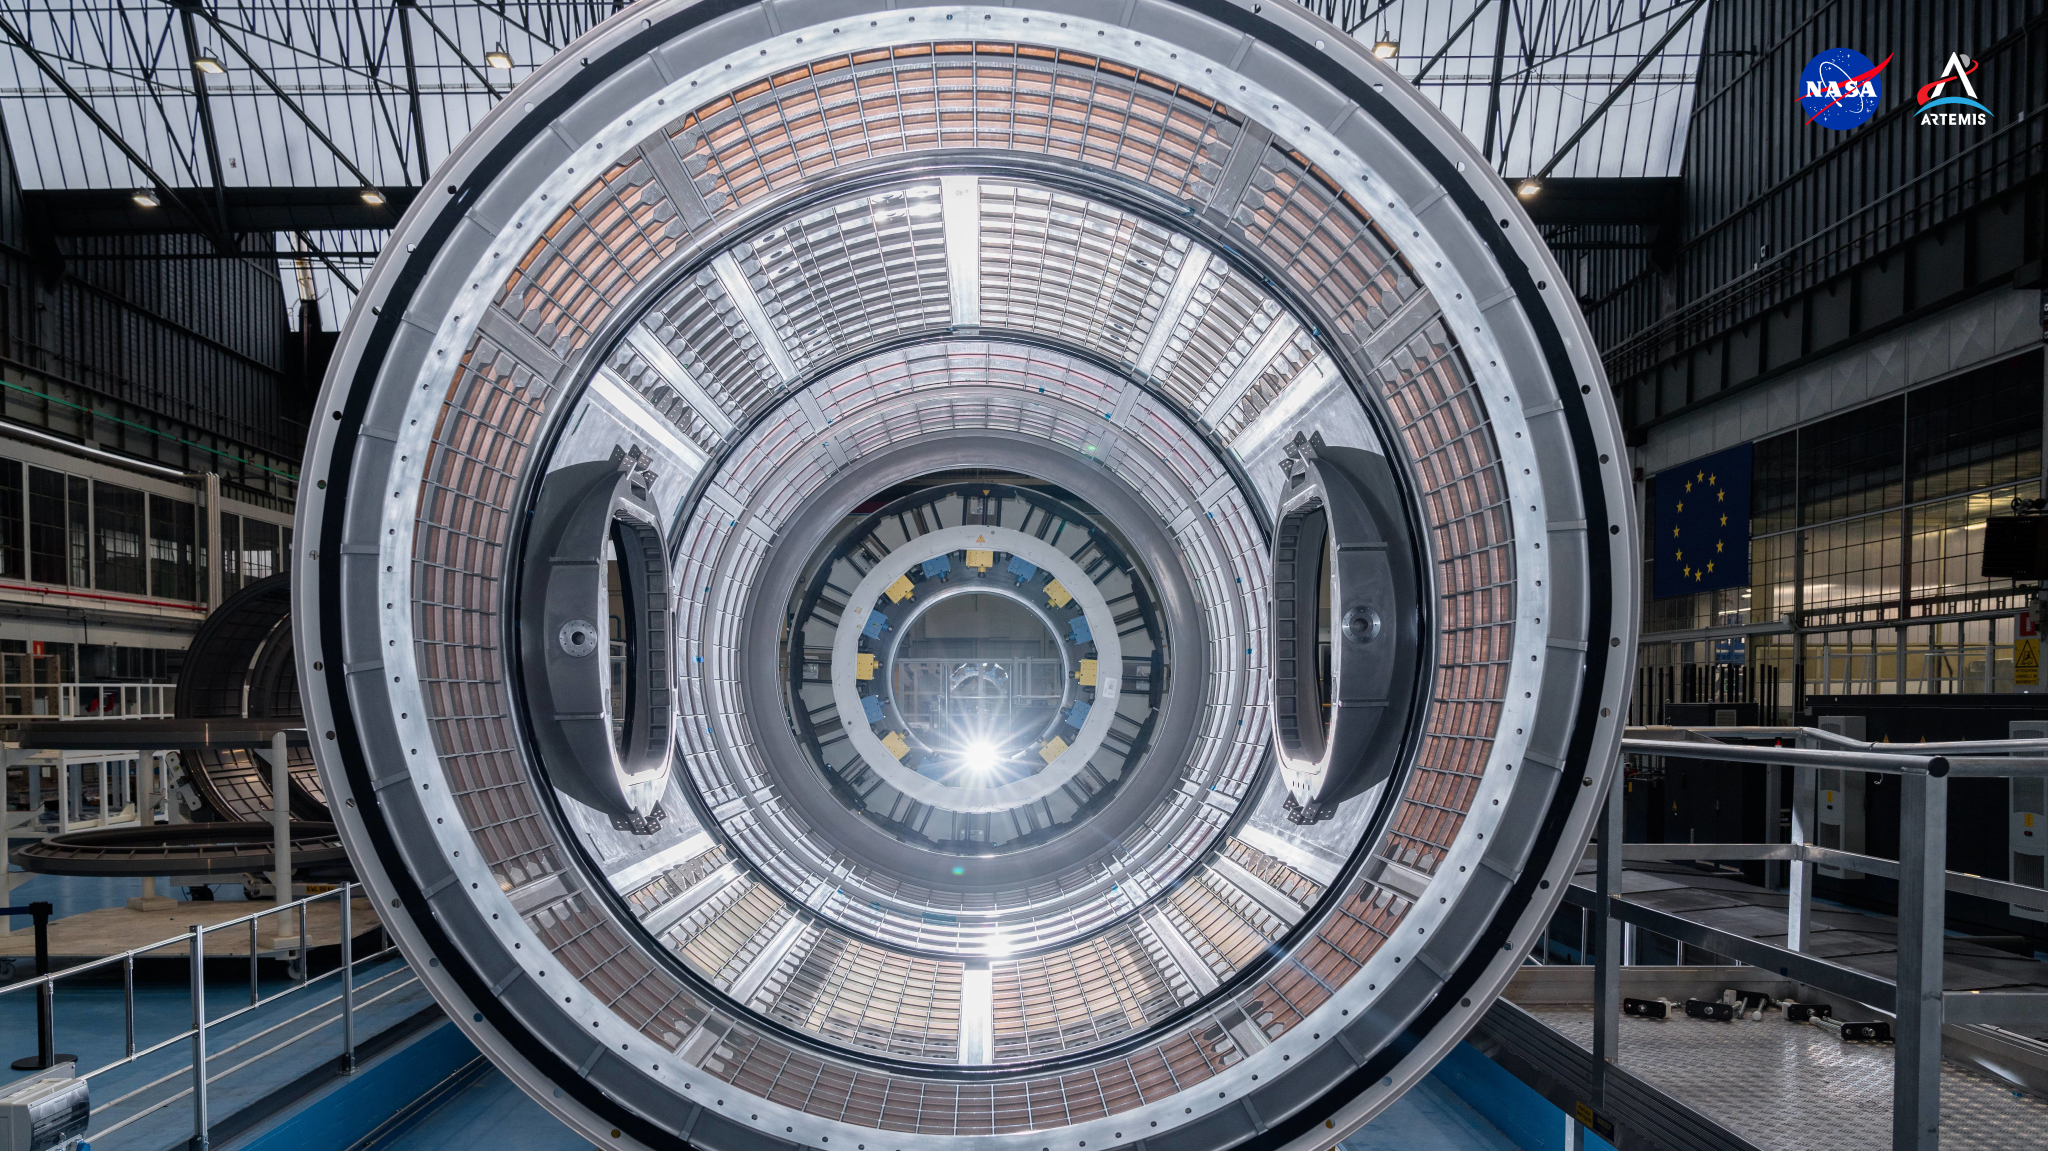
206 62
1387 49
144 198
372 197
1528 189
499 58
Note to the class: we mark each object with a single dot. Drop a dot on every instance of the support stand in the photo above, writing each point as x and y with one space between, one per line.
46 1055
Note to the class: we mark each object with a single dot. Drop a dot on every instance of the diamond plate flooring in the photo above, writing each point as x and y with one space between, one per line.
1794 1087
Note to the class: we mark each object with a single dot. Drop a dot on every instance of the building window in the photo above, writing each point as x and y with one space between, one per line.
1977 436
13 529
230 555
259 551
118 555
173 549
49 519
80 531
1867 533
1853 464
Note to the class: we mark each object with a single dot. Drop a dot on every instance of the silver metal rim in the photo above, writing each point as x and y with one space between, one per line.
1555 409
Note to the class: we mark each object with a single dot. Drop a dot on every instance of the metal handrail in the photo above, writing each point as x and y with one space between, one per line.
1822 735
220 1075
178 940
194 940
1995 758
115 1102
1915 995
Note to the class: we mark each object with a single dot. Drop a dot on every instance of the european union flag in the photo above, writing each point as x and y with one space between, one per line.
1700 535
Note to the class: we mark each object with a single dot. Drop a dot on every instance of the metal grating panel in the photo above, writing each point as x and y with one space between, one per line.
725 934
1069 267
891 244
1083 995
1277 875
1472 540
656 389
1325 242
917 97
703 329
618 230
675 881
860 995
1226 927
1222 323
1298 359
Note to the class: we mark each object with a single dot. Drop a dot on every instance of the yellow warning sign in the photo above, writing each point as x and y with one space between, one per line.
2026 663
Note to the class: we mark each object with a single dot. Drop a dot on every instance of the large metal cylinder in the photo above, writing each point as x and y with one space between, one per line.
1040 408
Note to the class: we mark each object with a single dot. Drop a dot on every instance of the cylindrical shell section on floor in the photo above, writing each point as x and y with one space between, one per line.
777 259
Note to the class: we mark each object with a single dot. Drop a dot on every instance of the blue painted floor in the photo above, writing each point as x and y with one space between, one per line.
491 1114
1431 1117
259 1051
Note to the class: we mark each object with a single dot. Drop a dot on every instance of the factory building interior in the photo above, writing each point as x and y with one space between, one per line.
1167 575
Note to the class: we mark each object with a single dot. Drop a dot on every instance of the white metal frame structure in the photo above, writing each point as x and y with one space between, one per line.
702 243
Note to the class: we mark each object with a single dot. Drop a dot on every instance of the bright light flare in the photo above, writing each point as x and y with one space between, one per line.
980 759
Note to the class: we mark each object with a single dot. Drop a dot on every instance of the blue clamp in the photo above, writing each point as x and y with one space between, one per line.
1080 632
872 708
1078 714
938 567
877 624
1023 569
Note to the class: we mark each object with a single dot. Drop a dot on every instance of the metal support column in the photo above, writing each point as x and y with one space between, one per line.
1500 51
199 1139
145 807
348 984
1923 894
281 819
214 586
1774 789
1799 890
1607 943
412 85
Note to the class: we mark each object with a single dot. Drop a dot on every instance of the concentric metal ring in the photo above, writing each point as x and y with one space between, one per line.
617 231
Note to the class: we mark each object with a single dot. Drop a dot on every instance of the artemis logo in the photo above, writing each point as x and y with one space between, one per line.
1840 88
1962 97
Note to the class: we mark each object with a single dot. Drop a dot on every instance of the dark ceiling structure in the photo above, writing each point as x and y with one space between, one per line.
318 119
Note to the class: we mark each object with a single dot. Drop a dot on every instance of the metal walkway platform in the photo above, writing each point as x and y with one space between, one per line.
1794 1087
1863 940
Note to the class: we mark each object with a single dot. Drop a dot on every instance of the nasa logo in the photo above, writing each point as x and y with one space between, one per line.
1969 113
1840 88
